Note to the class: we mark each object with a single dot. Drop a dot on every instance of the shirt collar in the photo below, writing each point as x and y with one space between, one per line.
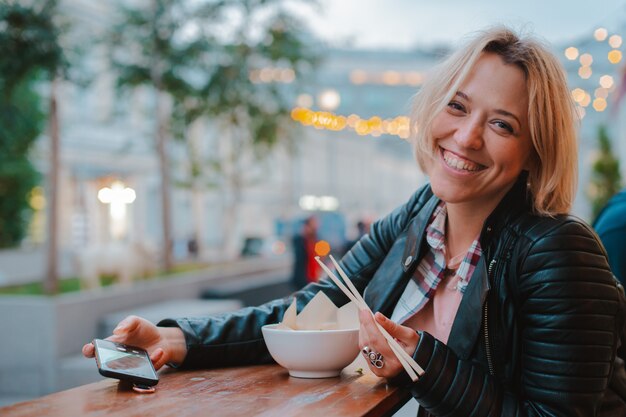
436 230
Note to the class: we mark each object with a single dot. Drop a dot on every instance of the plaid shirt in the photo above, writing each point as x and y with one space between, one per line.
430 270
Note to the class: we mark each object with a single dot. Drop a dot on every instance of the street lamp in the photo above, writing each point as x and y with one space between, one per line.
117 196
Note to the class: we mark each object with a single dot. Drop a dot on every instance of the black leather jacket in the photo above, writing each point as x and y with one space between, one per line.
542 292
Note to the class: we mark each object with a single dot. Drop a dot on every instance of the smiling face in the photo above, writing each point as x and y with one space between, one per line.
482 136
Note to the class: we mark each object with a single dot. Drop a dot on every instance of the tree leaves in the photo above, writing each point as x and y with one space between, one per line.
28 43
31 51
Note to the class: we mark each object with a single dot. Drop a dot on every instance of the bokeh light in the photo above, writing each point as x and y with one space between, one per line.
601 93
600 34
599 104
606 81
586 100
586 60
615 56
571 53
328 99
322 248
585 72
578 94
615 41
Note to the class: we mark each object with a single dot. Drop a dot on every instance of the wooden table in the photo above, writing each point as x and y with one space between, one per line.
265 390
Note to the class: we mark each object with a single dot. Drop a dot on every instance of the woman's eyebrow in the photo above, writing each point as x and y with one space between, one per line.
498 111
463 95
509 114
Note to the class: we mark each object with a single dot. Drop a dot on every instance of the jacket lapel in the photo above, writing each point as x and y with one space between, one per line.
389 281
466 326
385 288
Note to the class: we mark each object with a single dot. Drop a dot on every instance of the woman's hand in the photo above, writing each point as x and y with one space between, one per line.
371 337
164 344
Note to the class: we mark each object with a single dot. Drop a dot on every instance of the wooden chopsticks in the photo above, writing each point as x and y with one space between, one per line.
408 363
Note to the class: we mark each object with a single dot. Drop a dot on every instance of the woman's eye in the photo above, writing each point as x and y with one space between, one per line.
455 105
504 125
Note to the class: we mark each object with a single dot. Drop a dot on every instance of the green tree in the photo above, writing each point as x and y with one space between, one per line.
21 121
249 96
154 46
605 178
197 71
29 43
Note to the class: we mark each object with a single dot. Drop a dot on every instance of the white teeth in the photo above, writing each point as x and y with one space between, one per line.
454 162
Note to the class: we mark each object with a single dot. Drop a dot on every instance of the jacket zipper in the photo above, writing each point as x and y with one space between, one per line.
486 323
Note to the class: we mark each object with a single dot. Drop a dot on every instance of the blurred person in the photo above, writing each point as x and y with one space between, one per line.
305 269
192 247
362 226
611 227
505 301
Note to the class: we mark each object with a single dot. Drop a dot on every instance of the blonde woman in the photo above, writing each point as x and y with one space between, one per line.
505 301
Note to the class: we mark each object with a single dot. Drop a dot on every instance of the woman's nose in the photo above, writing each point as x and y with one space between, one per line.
470 134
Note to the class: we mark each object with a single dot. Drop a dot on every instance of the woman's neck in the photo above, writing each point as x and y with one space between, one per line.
463 226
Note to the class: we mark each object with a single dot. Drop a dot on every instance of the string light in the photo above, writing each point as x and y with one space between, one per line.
375 126
391 78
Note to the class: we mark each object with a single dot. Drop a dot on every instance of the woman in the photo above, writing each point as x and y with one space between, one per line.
507 303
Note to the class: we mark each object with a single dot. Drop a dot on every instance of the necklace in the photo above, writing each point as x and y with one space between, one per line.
452 265
455 261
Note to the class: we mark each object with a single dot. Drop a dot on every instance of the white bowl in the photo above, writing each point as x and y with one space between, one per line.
312 353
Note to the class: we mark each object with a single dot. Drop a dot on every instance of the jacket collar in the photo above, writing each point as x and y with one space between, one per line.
516 201
466 327
414 248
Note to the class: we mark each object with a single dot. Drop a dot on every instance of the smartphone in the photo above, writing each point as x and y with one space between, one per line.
128 363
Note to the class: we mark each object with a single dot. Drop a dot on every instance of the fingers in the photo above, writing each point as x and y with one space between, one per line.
371 337
122 333
128 325
394 329
88 350
406 337
158 358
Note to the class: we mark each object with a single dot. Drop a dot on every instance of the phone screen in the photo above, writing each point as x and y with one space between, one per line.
124 359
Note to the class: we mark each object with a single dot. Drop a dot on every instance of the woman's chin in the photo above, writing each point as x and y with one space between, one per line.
448 192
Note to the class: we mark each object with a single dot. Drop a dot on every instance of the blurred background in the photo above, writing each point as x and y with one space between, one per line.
148 139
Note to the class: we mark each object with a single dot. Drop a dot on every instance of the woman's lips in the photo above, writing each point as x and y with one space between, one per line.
459 163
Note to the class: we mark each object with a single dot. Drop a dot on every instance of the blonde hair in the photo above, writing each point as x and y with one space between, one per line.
551 114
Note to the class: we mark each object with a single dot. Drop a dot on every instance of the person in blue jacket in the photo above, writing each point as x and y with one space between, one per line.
611 227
